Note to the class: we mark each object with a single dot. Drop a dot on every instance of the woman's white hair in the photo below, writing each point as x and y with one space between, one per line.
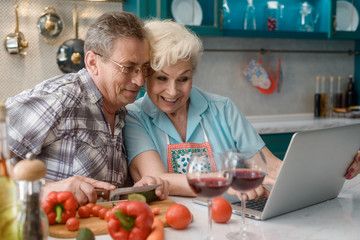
170 42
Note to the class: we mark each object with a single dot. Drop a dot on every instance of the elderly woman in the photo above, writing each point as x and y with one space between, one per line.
175 118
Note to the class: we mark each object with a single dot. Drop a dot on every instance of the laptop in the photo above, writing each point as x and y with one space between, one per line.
313 171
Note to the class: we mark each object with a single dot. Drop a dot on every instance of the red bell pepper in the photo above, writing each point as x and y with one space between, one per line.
60 206
132 220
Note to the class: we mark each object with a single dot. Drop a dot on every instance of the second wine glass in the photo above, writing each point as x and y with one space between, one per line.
208 178
249 170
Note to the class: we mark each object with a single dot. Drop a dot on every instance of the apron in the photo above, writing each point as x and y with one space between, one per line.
178 155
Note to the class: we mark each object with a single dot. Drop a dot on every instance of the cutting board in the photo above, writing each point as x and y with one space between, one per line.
99 226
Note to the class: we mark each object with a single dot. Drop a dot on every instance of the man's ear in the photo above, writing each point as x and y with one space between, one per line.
91 62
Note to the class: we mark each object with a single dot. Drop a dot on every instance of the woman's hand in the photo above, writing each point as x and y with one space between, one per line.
354 168
162 192
258 192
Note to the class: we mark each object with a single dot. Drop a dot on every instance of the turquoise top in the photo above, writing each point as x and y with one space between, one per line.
146 126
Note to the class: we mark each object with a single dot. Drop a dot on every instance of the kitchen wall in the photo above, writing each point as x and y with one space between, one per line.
218 72
19 73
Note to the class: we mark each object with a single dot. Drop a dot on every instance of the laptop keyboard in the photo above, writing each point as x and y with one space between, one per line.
254 204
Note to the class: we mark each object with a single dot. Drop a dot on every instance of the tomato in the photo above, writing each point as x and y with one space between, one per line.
155 210
102 213
178 216
221 210
108 215
84 211
90 205
72 224
95 210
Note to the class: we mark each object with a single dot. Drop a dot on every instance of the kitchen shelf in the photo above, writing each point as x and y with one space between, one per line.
275 34
268 51
119 1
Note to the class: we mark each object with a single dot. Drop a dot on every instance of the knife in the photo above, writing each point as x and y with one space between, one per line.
109 194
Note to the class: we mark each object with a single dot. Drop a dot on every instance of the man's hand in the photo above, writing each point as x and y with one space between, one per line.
82 187
162 192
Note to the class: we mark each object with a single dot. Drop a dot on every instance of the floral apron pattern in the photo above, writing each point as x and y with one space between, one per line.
178 155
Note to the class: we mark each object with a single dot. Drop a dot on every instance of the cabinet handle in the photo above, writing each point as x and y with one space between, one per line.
221 19
334 25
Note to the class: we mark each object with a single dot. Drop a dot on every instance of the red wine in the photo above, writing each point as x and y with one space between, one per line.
245 180
209 187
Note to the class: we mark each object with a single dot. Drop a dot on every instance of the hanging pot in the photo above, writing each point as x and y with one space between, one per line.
70 56
50 25
15 42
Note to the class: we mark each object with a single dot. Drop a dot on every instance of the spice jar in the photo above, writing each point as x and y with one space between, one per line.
274 13
32 221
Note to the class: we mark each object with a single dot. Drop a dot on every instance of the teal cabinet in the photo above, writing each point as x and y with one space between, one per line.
277 143
218 20
226 18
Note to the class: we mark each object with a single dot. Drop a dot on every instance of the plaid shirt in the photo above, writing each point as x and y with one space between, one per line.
61 121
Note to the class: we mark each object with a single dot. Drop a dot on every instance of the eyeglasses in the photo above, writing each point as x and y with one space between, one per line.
145 70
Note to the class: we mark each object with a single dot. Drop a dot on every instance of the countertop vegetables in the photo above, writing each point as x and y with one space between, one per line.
178 216
157 232
60 206
85 234
132 220
72 224
221 210
147 196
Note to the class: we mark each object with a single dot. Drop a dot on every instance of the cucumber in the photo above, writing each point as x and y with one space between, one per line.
85 234
147 196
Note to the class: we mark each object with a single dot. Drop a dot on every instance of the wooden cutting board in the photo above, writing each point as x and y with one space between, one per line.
99 226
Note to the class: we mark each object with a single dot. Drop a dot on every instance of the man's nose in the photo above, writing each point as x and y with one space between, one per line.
139 79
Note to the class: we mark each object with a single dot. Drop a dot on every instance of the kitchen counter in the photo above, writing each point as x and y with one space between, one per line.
338 218
289 123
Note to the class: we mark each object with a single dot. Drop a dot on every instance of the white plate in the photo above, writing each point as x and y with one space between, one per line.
347 17
187 12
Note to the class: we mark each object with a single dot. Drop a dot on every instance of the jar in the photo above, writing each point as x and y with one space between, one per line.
32 221
273 15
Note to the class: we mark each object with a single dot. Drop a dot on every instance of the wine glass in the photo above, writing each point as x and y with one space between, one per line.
249 170
208 178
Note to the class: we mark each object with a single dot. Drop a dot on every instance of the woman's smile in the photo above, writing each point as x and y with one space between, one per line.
169 101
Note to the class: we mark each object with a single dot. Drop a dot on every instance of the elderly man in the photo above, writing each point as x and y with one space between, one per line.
74 122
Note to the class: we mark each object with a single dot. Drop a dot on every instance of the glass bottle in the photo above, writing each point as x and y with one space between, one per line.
32 221
330 102
250 18
339 94
317 98
351 94
323 100
8 199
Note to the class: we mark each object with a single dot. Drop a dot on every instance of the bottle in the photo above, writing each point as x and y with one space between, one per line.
330 102
339 94
317 98
351 94
32 221
8 202
250 18
323 98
